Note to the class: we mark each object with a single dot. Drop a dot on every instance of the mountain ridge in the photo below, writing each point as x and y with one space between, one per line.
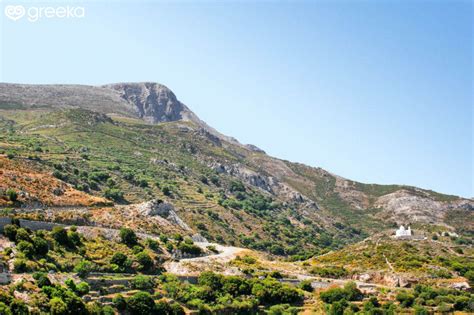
167 140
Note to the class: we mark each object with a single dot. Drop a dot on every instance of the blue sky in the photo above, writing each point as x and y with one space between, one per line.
375 91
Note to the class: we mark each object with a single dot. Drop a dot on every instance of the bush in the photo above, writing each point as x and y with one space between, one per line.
306 286
83 268
420 310
190 249
57 306
270 291
70 284
330 272
210 279
119 302
60 235
145 261
10 231
128 237
165 308
40 245
42 279
26 248
348 293
22 235
4 309
119 259
82 288
143 283
12 195
141 303
113 194
19 265
405 299
19 307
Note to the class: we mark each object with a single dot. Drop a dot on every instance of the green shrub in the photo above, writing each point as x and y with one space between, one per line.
26 248
406 299
71 284
41 279
40 245
119 302
19 307
22 235
83 268
128 237
60 235
145 261
141 303
330 272
306 286
119 259
12 195
9 231
82 288
113 194
143 283
57 306
4 309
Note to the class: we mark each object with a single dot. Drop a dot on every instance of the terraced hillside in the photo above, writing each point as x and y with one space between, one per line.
126 144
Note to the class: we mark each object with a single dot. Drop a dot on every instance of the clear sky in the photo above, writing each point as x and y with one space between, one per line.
375 91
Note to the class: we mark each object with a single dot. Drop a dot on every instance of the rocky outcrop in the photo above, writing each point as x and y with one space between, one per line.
164 210
267 183
153 102
417 206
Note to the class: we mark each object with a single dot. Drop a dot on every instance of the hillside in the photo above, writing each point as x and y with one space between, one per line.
118 199
135 142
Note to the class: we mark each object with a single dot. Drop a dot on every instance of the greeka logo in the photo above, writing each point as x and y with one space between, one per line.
33 14
14 12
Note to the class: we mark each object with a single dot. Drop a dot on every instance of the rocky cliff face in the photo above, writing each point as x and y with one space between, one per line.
153 102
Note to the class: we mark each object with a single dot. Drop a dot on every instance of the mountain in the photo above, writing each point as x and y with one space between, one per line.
133 143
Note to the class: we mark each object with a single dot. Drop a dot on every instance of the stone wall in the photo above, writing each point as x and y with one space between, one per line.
33 225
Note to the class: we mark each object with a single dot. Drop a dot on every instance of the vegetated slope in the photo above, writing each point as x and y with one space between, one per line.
151 146
439 259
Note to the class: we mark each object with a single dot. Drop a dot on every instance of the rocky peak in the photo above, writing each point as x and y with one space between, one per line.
153 102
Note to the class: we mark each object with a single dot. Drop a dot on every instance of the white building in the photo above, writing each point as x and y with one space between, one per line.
402 232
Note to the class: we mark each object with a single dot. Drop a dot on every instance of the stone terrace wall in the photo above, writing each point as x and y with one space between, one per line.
33 225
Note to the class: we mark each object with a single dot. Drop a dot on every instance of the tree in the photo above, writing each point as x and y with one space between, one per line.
57 307
40 245
141 303
4 309
143 283
10 231
119 302
26 248
19 307
22 235
83 268
306 286
470 276
70 284
165 308
128 237
113 194
146 263
119 259
12 195
42 279
82 288
210 279
405 299
60 235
